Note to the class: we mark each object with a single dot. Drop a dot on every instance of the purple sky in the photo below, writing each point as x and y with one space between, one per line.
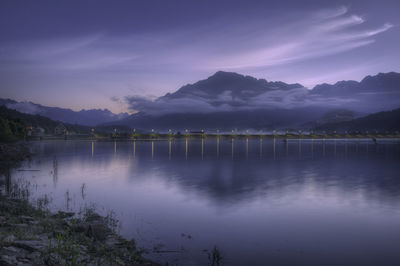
83 54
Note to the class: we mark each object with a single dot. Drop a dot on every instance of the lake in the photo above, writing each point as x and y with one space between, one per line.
259 201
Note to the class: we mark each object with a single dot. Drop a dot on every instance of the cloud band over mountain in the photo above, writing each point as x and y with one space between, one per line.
227 92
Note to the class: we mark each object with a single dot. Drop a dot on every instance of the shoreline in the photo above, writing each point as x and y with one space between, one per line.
32 235
165 137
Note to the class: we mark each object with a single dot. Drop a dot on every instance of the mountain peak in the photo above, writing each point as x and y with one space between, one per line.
221 72
380 76
226 74
231 84
382 82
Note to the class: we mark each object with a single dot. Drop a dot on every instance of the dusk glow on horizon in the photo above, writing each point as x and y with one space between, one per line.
93 54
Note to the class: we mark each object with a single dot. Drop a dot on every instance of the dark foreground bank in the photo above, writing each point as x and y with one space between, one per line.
30 236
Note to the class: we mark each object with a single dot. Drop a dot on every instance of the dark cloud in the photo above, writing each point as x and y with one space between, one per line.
115 99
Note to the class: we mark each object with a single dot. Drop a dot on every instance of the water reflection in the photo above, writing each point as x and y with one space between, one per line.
202 148
232 190
169 148
335 148
247 148
152 149
186 145
312 148
218 147
134 149
299 148
92 148
233 147
55 170
287 147
254 171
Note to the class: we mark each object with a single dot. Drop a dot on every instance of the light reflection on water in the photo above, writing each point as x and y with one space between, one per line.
310 202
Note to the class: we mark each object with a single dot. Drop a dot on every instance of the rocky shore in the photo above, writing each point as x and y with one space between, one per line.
30 236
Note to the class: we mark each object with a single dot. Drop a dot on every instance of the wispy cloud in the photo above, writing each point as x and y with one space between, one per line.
106 64
308 35
330 12
326 33
73 54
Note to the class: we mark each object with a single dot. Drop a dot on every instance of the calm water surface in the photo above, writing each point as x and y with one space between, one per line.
261 202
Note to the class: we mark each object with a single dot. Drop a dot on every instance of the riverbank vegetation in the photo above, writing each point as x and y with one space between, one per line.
35 236
11 128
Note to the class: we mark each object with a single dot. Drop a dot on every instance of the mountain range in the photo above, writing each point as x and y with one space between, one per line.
386 121
228 100
90 117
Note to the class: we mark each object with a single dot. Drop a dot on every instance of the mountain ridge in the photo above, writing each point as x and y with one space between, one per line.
230 96
230 81
275 104
89 117
376 122
387 80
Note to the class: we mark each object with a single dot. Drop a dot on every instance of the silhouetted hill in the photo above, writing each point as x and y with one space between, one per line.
246 119
381 122
381 83
336 116
39 121
90 117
